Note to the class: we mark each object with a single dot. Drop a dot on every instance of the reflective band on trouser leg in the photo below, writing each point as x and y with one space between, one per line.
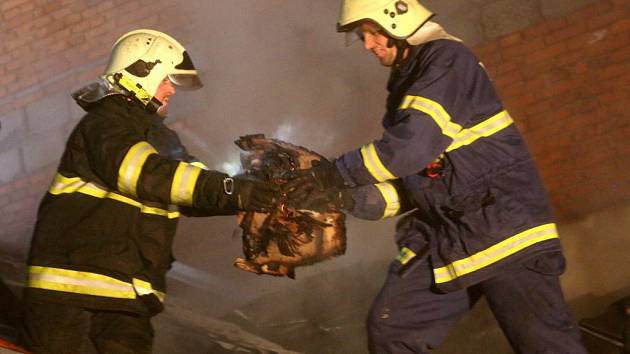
374 165
405 255
184 183
495 253
132 164
435 111
65 185
392 200
484 129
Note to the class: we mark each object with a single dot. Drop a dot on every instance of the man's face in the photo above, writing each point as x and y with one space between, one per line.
376 42
163 94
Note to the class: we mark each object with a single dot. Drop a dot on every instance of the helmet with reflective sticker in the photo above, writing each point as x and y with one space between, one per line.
398 18
141 59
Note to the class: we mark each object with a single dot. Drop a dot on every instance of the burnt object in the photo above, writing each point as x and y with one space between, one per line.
277 242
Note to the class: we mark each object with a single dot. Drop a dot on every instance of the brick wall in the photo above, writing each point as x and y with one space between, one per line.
47 48
567 83
564 80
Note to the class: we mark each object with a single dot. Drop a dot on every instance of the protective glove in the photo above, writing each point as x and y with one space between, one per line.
322 176
322 201
251 195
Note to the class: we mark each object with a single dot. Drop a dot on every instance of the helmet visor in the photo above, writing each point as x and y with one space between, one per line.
187 81
185 75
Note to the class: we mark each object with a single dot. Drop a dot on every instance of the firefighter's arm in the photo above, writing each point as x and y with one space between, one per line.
379 201
128 164
423 126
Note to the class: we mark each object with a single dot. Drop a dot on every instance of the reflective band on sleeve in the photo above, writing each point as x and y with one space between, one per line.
482 130
405 255
87 283
200 164
392 200
132 164
65 185
184 183
435 111
495 253
374 165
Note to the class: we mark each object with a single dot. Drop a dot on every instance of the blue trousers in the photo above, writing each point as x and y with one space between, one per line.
409 317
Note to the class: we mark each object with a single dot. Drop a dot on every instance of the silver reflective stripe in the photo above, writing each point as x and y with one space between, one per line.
495 253
482 130
374 165
65 185
78 282
435 111
391 197
132 164
184 182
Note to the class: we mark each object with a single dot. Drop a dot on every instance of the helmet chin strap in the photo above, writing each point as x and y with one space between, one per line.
401 46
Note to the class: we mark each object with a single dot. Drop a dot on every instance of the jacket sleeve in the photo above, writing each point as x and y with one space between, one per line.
379 201
420 127
127 163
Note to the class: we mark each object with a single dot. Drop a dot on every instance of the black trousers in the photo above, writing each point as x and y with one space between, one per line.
409 317
51 328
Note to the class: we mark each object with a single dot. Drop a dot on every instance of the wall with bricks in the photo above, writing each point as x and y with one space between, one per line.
567 83
560 66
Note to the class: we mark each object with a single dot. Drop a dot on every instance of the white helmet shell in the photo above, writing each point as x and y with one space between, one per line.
141 59
398 18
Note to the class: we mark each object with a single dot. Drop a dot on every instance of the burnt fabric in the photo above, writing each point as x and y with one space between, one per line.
106 225
62 329
409 316
277 242
451 152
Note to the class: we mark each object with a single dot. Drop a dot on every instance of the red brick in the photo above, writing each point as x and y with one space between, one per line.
622 25
525 50
9 4
589 11
564 33
511 39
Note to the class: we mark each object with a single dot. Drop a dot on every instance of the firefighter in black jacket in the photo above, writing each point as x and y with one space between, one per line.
102 243
451 152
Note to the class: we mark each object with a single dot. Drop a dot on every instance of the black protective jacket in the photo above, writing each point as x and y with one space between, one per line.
105 227
481 205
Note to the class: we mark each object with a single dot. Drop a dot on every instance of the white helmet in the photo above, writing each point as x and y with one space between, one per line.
141 59
398 18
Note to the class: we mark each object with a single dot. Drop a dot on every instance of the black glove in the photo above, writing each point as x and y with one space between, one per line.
251 195
322 201
322 176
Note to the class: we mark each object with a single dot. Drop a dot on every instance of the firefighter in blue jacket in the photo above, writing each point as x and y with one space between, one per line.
102 244
481 222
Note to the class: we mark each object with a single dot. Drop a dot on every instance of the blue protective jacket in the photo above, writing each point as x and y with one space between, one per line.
486 207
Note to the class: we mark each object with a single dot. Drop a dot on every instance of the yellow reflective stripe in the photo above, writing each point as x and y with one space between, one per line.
78 282
374 165
435 111
132 164
482 130
131 86
392 200
495 253
184 183
65 185
405 255
200 164
144 288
